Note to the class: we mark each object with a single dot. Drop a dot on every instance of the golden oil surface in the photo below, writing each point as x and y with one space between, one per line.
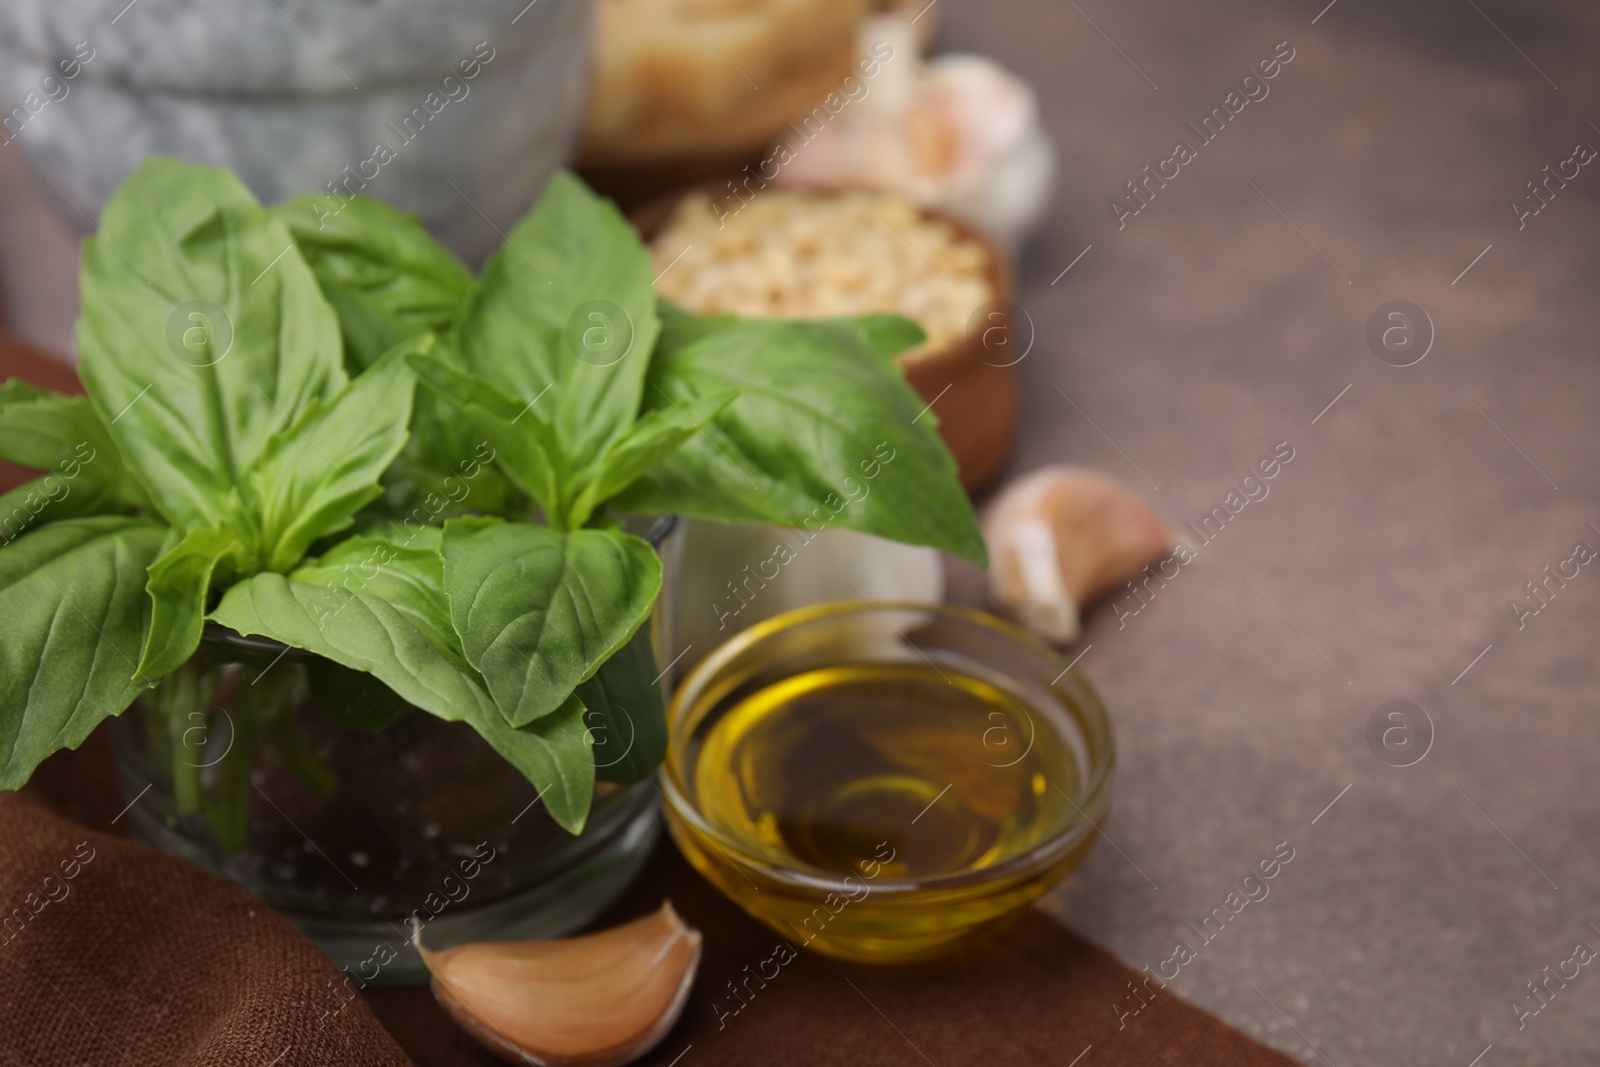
820 770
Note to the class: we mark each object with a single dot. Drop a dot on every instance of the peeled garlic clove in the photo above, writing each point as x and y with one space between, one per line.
597 1000
1062 537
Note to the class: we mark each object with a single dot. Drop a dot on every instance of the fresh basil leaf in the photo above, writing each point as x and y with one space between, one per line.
555 754
179 584
203 334
822 433
652 439
525 443
884 335
379 606
441 444
464 388
388 279
315 475
625 713
416 491
406 574
17 391
374 608
568 305
669 312
51 499
73 616
65 436
391 281
539 610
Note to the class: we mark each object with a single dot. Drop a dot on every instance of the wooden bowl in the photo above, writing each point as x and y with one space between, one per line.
970 383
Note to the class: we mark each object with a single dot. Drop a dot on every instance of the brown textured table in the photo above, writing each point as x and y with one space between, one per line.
1227 316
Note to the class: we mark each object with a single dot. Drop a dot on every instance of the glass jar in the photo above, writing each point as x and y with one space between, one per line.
353 834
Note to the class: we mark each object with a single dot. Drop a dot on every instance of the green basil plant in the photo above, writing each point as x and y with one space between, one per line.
324 430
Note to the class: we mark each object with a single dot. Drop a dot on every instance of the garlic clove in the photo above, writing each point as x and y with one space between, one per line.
959 133
597 1000
1062 537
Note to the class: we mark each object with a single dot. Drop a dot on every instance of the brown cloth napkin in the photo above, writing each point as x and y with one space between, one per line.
112 953
1039 995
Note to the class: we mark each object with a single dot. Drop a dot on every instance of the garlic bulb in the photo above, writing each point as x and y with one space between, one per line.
959 133
597 1000
1062 537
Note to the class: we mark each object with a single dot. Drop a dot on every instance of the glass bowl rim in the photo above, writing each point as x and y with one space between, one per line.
1093 797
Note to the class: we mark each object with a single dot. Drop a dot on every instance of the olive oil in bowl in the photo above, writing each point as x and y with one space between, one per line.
885 785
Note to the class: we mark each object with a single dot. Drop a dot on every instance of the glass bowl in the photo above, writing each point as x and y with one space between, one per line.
886 783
